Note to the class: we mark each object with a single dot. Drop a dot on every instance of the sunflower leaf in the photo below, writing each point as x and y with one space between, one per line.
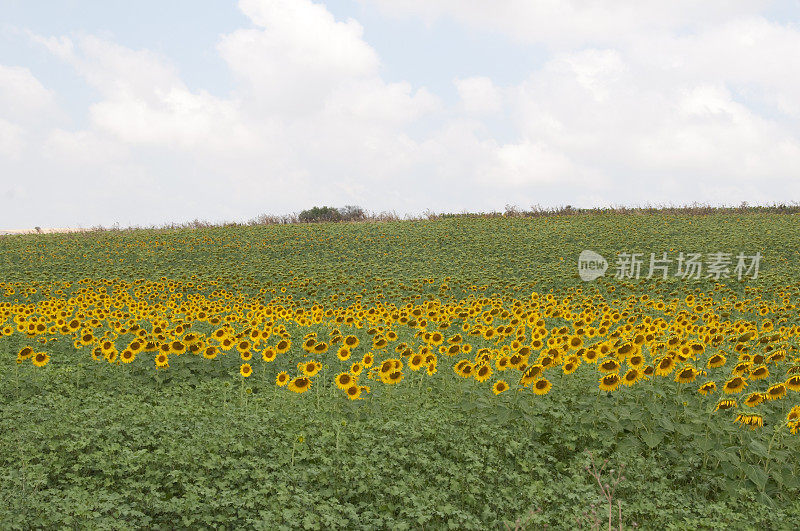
652 439
756 475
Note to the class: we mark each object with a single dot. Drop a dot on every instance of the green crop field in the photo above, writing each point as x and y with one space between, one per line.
454 373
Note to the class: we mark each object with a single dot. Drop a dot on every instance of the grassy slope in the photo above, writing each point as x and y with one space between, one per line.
91 445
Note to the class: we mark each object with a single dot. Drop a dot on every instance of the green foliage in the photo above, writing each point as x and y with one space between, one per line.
317 214
87 448
89 445
505 256
352 213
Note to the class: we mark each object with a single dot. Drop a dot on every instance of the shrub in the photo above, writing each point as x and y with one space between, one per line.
318 214
352 213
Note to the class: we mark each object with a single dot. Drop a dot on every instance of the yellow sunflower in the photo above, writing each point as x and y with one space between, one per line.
269 354
734 385
609 366
40 359
716 361
793 383
610 382
282 379
162 361
542 386
300 384
759 373
483 373
686 375
344 380
754 399
354 392
707 388
500 386
664 366
776 392
631 377
725 403
343 353
392 378
310 368
351 342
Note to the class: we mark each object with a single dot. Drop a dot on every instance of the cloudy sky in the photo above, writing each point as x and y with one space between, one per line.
158 111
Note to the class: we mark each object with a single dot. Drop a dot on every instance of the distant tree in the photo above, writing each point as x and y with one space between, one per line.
325 213
317 214
352 213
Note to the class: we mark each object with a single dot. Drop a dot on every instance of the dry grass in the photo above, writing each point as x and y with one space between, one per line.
536 211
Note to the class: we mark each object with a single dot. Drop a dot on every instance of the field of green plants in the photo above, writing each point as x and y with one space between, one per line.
454 373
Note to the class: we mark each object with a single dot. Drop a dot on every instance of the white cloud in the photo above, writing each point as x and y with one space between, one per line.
11 141
373 101
87 149
113 70
25 107
176 119
22 96
635 103
573 23
657 125
479 95
144 100
311 119
528 163
296 56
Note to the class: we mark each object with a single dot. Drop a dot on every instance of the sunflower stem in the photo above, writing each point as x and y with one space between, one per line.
705 446
20 450
769 447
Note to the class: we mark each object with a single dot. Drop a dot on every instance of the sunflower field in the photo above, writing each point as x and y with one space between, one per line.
454 373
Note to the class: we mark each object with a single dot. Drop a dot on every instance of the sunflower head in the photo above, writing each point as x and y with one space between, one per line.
734 385
707 388
610 382
344 380
776 392
282 378
542 386
500 386
40 359
353 392
300 384
725 403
